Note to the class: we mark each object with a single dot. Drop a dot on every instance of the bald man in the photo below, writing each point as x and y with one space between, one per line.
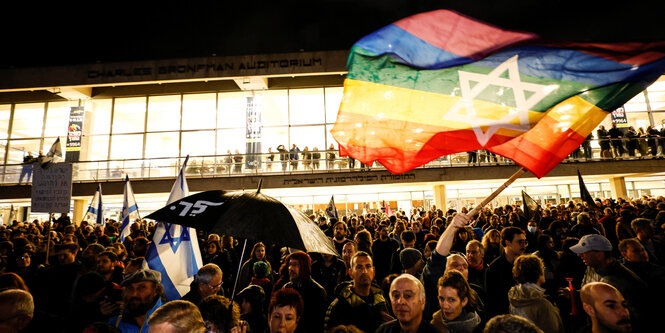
606 307
407 296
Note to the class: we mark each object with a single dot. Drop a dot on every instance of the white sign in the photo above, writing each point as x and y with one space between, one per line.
52 188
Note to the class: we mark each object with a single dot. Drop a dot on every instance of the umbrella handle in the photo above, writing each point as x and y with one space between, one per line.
235 284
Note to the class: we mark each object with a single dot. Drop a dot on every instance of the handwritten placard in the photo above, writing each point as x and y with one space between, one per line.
52 188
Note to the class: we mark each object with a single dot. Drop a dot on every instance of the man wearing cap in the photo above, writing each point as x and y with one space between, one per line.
207 281
143 293
596 252
412 262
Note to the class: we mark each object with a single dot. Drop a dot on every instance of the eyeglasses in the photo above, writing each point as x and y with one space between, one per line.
215 287
523 242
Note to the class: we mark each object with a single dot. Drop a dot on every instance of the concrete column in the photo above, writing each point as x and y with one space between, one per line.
440 197
618 187
79 211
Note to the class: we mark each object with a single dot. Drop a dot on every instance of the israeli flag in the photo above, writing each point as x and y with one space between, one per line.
96 209
174 250
128 208
54 154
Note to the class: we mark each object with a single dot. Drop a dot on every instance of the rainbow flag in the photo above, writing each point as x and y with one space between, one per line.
439 83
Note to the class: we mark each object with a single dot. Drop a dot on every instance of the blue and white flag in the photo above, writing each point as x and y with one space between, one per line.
96 209
129 207
174 250
54 154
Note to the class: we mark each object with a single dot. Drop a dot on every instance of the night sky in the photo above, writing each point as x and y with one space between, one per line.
51 34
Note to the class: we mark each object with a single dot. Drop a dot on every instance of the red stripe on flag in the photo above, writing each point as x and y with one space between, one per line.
538 159
459 34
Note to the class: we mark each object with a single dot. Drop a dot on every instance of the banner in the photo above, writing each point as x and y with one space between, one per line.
253 133
52 188
619 117
74 134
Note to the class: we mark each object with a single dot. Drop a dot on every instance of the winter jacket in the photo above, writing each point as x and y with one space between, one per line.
349 308
466 322
528 300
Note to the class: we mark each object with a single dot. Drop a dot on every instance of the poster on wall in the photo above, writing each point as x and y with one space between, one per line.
619 117
74 134
253 133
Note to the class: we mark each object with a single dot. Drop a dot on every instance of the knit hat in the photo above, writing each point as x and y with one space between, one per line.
409 257
261 269
254 294
142 275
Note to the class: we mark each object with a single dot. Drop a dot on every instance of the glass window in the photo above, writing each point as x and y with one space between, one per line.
163 113
275 107
311 136
129 115
3 149
233 108
637 103
95 148
659 119
162 144
198 143
57 119
330 139
127 146
19 148
657 100
638 119
5 112
306 106
28 120
333 100
230 139
273 137
100 118
198 112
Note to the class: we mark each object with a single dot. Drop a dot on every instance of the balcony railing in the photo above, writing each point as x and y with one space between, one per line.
261 164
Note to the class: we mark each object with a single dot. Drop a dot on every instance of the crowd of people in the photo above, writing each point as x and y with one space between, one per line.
563 268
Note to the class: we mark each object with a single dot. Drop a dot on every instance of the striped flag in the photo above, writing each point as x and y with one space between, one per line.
96 208
331 210
174 251
54 154
439 83
129 207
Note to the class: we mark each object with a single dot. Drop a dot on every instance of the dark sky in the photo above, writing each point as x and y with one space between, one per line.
51 34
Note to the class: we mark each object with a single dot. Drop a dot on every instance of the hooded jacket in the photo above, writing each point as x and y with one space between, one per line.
527 300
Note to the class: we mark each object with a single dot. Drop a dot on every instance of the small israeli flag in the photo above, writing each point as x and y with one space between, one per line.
129 207
96 209
174 251
54 154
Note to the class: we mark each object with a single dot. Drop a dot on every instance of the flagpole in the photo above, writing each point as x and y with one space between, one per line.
48 237
496 192
235 284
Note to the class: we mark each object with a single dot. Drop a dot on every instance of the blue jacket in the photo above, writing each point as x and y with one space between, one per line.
130 327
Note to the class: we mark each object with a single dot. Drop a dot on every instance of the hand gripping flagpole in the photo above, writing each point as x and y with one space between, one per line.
496 192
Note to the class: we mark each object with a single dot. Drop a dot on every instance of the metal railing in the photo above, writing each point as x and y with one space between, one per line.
261 164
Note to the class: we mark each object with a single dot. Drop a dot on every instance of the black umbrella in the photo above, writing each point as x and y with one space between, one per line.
249 215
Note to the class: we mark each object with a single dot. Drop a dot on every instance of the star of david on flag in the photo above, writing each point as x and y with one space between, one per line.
174 250
129 208
439 83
